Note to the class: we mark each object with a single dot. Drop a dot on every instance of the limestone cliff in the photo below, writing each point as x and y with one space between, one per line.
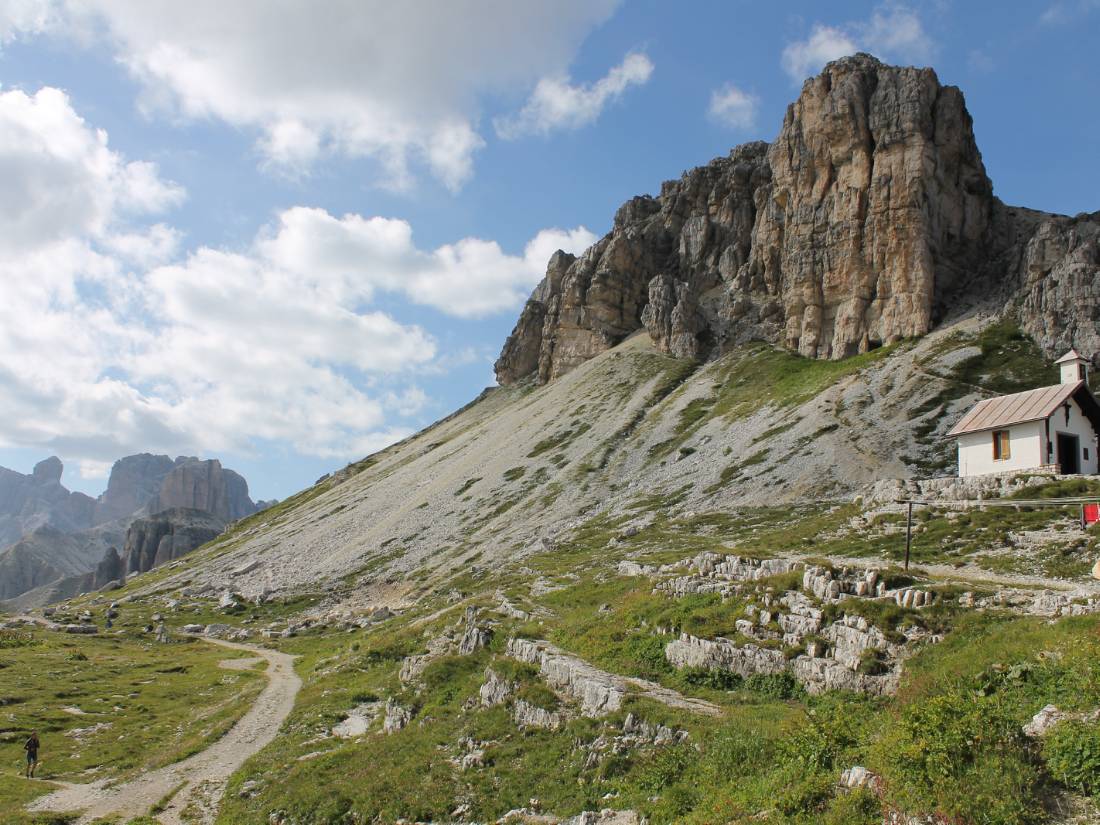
206 486
134 480
153 541
865 221
51 539
38 499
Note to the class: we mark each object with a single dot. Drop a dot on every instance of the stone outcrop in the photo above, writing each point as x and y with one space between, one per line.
496 690
156 540
867 219
817 674
597 691
396 718
526 715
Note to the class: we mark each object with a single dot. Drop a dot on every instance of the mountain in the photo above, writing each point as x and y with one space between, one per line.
38 499
57 538
658 572
800 318
868 220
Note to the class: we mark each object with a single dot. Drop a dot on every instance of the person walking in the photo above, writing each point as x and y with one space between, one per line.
31 747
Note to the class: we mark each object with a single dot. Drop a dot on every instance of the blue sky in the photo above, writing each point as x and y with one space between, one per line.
287 234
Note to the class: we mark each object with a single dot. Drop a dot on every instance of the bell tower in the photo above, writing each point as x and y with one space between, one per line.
1074 368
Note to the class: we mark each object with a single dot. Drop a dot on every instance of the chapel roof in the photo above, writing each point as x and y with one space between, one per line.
1031 405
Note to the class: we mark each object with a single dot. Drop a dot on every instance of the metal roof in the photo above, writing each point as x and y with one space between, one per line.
1005 410
1072 355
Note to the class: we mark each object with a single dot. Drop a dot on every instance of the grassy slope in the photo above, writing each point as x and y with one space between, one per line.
948 742
154 704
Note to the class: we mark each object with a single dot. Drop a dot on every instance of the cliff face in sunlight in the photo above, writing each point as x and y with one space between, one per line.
866 220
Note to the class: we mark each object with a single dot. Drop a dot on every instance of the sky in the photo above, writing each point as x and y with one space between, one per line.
286 234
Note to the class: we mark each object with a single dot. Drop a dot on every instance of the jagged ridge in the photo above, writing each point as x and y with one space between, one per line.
867 218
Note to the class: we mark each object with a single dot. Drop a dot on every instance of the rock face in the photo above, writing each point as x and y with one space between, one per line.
133 482
864 222
206 486
57 536
43 556
159 539
28 502
108 570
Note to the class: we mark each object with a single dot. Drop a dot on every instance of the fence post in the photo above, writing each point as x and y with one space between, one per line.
908 534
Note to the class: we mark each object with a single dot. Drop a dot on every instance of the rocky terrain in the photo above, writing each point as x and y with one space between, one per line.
57 539
865 221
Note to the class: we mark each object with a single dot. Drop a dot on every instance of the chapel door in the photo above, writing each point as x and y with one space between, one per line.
1069 454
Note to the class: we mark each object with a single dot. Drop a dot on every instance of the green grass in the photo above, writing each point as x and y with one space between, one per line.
154 705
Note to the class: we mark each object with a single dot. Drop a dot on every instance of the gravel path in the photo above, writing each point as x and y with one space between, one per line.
201 778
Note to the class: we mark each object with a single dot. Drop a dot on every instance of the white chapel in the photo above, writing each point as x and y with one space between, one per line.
1052 429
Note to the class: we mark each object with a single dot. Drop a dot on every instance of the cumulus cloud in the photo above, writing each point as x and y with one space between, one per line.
351 257
557 104
61 179
112 340
733 107
397 82
894 31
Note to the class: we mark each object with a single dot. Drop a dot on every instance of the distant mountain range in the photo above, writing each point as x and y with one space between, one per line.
55 543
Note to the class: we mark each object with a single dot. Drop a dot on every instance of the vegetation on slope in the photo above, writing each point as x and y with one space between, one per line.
109 706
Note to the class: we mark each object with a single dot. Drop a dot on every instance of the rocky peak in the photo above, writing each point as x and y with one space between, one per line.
204 485
867 218
134 480
48 471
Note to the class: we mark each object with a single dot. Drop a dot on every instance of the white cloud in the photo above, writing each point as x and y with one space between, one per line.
733 107
825 43
1059 13
352 257
557 104
112 341
25 17
61 179
397 82
893 32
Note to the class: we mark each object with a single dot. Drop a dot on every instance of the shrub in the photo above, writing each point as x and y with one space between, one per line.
1072 754
961 755
647 653
871 662
665 767
776 685
714 679
819 741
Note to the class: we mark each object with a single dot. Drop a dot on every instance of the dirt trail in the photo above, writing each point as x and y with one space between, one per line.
201 778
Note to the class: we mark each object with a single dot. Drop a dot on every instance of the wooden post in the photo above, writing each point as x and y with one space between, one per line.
908 534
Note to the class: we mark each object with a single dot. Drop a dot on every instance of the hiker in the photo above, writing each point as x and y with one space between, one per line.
31 747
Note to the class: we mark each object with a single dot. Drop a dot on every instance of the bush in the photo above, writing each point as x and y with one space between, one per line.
776 685
714 679
857 807
871 662
665 767
805 794
647 653
1072 754
961 755
821 740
